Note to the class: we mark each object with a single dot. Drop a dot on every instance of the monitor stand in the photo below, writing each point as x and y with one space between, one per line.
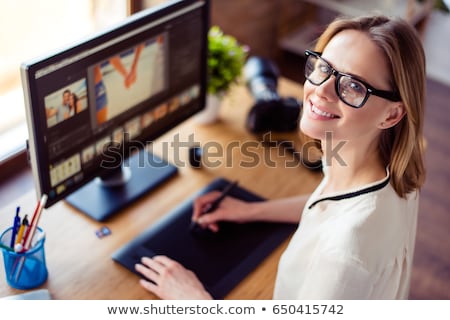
140 174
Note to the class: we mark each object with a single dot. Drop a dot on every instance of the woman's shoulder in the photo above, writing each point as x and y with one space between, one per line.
383 211
377 225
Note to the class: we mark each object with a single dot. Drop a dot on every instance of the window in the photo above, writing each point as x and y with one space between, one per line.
30 28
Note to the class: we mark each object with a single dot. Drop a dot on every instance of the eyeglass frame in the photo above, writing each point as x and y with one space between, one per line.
389 95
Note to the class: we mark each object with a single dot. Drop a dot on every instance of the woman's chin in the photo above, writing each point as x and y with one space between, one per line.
311 130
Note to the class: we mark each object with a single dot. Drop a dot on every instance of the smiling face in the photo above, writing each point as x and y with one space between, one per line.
351 52
66 98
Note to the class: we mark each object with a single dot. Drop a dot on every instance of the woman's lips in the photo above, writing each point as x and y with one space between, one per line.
317 111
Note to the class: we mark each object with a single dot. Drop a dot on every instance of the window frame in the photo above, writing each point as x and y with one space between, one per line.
18 160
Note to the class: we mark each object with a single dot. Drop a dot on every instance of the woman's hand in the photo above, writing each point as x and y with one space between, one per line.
169 280
234 210
230 209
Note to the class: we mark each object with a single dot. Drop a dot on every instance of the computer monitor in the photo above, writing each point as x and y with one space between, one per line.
89 106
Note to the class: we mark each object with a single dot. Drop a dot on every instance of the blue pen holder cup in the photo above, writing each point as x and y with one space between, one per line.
26 270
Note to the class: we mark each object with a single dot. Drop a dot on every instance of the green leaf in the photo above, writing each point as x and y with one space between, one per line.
226 58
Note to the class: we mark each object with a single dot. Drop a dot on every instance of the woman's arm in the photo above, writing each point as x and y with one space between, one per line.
231 209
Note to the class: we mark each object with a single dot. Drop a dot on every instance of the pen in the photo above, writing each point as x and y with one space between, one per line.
23 226
15 228
6 247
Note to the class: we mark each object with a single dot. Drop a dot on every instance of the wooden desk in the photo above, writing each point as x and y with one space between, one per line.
80 264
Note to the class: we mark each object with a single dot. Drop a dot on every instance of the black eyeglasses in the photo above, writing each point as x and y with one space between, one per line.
350 90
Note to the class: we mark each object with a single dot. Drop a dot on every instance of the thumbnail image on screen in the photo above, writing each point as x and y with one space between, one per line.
121 82
65 102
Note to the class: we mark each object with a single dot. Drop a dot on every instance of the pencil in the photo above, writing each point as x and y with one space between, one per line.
34 223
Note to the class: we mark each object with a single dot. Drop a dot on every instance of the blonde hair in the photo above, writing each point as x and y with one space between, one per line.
402 146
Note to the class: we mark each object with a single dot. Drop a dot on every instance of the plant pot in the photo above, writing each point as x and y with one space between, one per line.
210 114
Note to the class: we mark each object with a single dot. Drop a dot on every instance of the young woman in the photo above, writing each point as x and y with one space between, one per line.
364 93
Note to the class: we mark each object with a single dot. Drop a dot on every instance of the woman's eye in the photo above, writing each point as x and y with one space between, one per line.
355 86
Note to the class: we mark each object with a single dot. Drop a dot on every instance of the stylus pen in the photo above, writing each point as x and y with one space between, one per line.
210 207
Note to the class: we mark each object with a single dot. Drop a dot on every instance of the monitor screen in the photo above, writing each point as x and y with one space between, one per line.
90 105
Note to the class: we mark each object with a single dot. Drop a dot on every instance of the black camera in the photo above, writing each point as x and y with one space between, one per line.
270 111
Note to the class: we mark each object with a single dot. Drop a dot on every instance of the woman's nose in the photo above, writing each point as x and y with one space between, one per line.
327 89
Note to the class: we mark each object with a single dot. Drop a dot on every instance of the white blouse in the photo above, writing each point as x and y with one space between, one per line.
352 245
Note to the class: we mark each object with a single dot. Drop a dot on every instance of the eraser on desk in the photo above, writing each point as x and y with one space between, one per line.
103 232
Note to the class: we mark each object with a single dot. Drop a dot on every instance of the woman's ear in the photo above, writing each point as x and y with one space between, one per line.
394 114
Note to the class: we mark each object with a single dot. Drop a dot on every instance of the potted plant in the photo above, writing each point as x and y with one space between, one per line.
226 59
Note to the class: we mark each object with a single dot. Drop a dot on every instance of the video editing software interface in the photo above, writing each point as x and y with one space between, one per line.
125 86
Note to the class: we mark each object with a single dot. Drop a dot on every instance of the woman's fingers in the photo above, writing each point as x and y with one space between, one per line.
168 279
201 202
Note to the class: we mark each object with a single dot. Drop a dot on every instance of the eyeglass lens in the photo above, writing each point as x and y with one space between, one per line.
350 90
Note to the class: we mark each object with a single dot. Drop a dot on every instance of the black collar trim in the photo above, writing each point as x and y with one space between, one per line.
373 188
